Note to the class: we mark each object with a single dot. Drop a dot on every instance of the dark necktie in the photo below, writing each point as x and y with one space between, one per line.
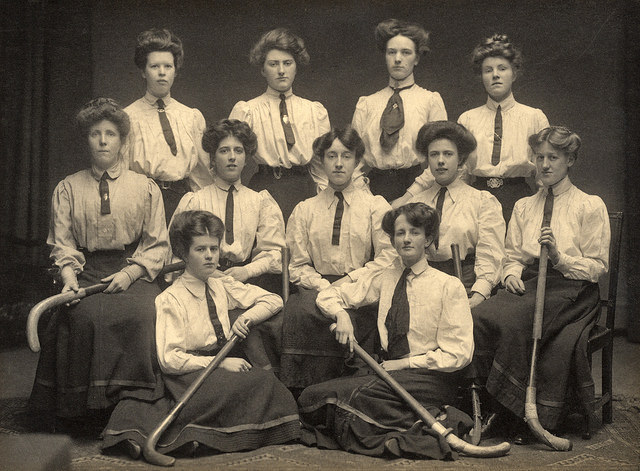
105 202
337 219
286 122
166 127
439 203
213 315
392 120
497 137
228 217
397 321
548 208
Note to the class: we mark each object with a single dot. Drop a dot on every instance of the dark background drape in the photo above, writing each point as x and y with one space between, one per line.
581 69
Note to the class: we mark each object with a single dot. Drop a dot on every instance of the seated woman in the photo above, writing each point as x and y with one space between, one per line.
333 238
251 249
165 142
468 217
237 407
107 225
503 162
426 334
577 237
286 124
389 120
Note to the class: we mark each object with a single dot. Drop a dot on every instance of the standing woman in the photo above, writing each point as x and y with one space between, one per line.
286 124
165 142
107 225
503 162
389 120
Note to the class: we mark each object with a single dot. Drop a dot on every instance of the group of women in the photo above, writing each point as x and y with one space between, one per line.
371 211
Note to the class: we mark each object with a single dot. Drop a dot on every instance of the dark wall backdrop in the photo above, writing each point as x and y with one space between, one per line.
575 54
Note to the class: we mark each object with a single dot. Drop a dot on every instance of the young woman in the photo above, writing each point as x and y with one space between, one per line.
577 238
503 162
165 142
286 125
423 345
469 217
107 225
334 237
389 120
238 407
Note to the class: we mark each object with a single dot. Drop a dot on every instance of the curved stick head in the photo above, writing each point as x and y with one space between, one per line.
153 457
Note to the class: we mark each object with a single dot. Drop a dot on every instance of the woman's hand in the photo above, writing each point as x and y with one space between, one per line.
70 282
344 331
514 285
239 273
240 327
237 365
475 299
118 282
547 238
391 365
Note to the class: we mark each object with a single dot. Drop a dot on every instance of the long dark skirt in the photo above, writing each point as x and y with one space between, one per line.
502 332
229 412
98 350
310 352
511 191
288 190
392 183
364 415
468 270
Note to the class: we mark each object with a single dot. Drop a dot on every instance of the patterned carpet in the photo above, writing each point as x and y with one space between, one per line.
612 447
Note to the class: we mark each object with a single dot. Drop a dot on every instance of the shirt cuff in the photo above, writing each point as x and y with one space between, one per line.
563 265
134 271
483 287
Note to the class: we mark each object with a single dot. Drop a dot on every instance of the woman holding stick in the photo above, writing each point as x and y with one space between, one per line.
107 225
577 240
425 329
238 406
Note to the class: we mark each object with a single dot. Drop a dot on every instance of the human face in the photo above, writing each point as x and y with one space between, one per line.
401 57
409 241
443 161
339 164
498 77
228 161
159 73
203 256
552 164
104 143
279 69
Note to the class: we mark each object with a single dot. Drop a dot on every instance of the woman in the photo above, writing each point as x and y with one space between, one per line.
389 120
425 341
286 125
165 142
503 162
238 407
334 237
574 227
470 218
107 225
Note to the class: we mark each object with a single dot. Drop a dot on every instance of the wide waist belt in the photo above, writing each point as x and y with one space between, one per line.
497 182
224 263
279 172
178 186
395 171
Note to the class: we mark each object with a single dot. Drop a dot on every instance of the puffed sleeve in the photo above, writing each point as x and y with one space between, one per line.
423 182
472 160
593 242
171 340
384 253
200 176
64 248
490 246
267 253
454 334
359 115
301 269
260 304
153 249
242 112
515 260
334 301
437 111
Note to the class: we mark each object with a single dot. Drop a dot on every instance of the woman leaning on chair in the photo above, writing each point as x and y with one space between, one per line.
107 225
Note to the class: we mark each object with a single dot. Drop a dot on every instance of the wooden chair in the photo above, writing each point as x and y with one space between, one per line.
601 335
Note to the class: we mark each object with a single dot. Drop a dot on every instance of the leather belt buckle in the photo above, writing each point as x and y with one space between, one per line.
495 182
163 184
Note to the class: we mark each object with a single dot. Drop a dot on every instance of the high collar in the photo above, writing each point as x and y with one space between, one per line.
224 186
559 188
419 267
194 285
276 94
330 197
505 104
113 172
453 188
406 82
151 99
